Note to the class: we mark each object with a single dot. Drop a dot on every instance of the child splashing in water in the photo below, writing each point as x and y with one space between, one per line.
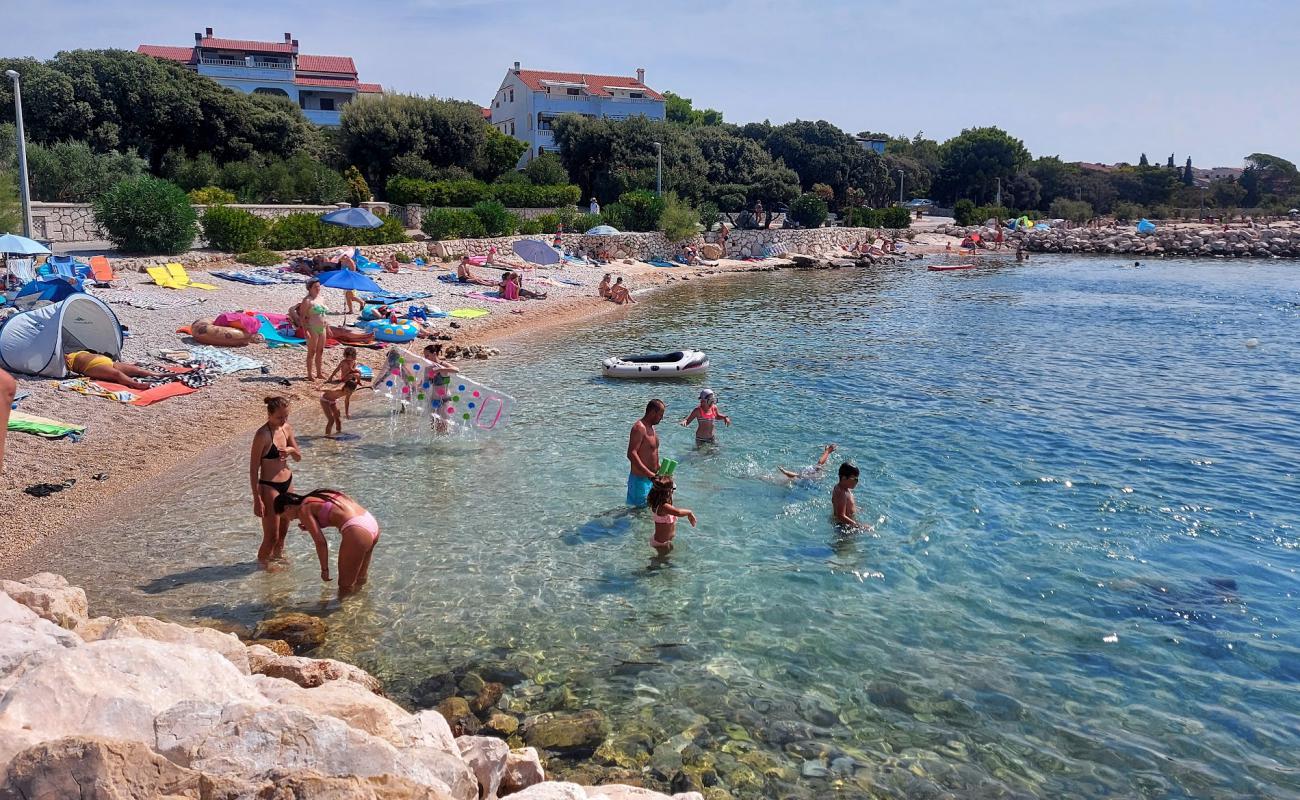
665 514
812 470
707 413
329 403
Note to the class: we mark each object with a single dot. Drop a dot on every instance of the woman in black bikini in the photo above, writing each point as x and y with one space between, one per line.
270 476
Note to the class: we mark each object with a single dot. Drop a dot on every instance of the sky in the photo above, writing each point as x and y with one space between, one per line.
1088 80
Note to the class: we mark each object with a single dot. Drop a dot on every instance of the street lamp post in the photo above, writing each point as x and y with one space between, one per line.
1200 217
659 169
900 187
998 201
23 193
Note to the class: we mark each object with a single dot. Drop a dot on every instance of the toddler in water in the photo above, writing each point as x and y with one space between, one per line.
665 514
329 403
707 413
812 470
843 504
347 370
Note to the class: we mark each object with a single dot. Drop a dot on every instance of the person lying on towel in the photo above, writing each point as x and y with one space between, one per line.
97 366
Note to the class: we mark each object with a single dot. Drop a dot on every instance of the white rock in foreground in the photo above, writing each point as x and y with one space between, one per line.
51 597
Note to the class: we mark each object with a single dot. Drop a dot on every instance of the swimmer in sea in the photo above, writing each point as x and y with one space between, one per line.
844 506
665 514
707 413
812 470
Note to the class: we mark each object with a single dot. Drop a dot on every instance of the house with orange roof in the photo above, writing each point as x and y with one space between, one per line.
530 100
319 85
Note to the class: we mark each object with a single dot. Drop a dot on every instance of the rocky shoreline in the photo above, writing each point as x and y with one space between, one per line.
137 707
1281 240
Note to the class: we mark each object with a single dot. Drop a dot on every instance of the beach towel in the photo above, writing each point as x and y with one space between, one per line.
659 262
149 396
93 389
468 313
244 277
449 277
273 337
223 361
388 298
494 297
18 398
44 427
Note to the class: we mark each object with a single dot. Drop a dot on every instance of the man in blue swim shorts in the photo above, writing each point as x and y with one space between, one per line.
643 453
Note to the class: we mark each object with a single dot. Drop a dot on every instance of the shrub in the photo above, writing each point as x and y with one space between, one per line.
808 210
546 170
638 210
403 258
530 227
963 212
496 220
526 195
709 215
232 230
452 223
549 223
861 217
895 217
581 223
298 231
147 215
825 192
358 189
391 232
406 191
461 194
678 220
11 212
260 258
70 172
1126 212
211 196
1078 211
985 213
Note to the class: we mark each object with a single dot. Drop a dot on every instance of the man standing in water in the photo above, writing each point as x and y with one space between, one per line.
643 453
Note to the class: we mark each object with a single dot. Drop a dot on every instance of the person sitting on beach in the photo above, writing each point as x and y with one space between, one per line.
270 476
526 293
812 470
491 255
619 293
707 413
100 367
329 403
666 514
844 507
391 265
8 390
358 529
465 275
603 288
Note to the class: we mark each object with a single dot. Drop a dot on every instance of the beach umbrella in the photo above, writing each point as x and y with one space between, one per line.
352 218
11 244
603 230
535 252
347 279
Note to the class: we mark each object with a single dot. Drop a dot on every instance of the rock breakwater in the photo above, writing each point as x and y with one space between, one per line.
1278 241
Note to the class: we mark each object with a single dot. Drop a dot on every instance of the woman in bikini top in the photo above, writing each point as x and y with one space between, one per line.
326 508
270 476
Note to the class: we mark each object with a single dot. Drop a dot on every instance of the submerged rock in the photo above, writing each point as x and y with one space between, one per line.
488 696
575 735
500 724
456 710
302 632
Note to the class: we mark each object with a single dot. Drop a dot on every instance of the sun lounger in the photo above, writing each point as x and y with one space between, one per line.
162 278
101 272
182 279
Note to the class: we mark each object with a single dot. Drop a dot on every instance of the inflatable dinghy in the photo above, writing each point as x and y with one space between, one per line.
661 365
949 267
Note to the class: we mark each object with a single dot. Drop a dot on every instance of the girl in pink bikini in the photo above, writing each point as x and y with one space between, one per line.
325 508
665 514
707 413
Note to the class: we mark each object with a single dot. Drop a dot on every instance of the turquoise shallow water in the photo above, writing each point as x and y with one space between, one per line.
1083 581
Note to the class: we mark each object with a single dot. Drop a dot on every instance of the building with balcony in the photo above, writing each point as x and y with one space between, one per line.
530 100
319 85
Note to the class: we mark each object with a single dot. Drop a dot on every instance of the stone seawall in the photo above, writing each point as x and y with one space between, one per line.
1280 240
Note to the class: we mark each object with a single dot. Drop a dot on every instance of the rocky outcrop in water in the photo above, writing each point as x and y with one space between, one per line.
1280 241
135 707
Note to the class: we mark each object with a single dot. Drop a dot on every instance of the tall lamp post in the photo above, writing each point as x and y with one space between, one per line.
23 191
659 169
1200 217
900 187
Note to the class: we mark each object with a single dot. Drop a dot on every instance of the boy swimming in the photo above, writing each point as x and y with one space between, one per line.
843 505
812 470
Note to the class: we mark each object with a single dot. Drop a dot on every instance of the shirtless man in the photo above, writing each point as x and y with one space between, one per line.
643 453
465 275
844 506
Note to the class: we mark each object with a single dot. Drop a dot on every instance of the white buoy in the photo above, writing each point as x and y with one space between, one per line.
1252 342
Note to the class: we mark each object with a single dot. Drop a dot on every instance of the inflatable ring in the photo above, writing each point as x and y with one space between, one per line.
394 332
204 332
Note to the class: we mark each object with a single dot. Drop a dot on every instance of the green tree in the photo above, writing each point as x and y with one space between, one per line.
1268 178
1075 211
497 154
546 170
678 109
1188 178
1227 193
1142 162
11 212
1170 164
973 161
358 189
678 220
70 172
147 215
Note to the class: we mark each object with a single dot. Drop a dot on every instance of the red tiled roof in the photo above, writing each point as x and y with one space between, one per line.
339 83
370 88
181 54
341 64
247 44
595 84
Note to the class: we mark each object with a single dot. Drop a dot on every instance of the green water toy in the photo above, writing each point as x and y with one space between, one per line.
667 467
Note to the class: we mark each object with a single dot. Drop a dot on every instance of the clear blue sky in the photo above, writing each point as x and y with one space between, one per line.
1091 80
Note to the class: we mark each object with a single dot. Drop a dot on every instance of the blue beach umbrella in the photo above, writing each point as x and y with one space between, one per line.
352 218
347 279
535 252
14 245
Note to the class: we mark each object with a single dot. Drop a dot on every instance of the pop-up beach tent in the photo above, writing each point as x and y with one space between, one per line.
34 342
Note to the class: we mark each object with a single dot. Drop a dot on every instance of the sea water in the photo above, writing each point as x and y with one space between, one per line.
1082 580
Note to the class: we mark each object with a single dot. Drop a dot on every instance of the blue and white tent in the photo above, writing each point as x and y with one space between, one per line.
34 342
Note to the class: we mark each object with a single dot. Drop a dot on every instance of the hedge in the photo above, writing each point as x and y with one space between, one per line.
232 230
467 193
301 231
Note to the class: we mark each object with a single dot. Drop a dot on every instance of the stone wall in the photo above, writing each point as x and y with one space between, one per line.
812 241
75 222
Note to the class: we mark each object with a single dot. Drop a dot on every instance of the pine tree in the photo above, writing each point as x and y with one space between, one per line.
1142 162
1188 179
1171 161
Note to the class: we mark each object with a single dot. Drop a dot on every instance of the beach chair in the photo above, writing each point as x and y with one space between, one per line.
101 272
66 268
162 278
182 279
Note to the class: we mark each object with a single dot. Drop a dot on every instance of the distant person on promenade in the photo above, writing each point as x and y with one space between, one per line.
593 207
844 506
358 529
758 212
660 500
706 413
8 389
643 453
812 470
269 475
